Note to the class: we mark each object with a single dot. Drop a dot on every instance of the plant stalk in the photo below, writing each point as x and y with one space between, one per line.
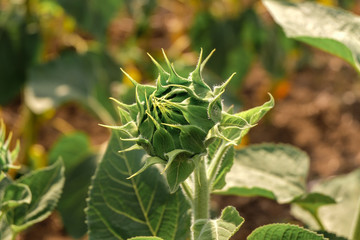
202 194
356 226
201 200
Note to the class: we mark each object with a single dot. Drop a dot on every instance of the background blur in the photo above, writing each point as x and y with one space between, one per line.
60 62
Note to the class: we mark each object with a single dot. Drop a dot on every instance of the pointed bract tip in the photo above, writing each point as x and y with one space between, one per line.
207 59
135 83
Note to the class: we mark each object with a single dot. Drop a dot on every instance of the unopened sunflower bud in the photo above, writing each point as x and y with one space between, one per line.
176 120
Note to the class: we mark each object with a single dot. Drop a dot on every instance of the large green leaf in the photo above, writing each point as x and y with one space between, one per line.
45 186
275 171
337 218
222 228
80 164
121 208
330 29
284 232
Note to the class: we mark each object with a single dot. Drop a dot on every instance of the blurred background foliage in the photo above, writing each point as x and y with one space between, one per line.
56 52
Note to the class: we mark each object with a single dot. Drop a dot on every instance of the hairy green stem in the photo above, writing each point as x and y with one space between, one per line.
356 226
202 194
216 162
188 191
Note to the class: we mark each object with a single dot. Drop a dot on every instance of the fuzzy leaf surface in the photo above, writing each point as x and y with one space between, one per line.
222 228
337 218
121 208
330 29
284 232
275 171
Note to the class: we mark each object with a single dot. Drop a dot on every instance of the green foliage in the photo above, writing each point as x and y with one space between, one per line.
320 26
283 232
80 164
29 199
312 202
338 218
269 170
222 229
120 208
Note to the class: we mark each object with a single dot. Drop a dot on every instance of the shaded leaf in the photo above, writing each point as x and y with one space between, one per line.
222 228
178 171
275 171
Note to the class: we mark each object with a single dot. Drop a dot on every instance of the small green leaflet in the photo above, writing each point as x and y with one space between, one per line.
222 228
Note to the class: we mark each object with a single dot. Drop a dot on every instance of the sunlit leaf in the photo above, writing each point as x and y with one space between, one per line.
274 171
330 29
337 218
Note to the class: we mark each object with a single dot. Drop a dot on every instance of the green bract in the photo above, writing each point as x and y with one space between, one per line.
176 120
7 157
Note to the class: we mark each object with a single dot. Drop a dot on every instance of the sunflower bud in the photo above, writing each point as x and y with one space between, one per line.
176 120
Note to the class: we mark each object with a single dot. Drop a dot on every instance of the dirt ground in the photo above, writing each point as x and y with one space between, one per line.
320 114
